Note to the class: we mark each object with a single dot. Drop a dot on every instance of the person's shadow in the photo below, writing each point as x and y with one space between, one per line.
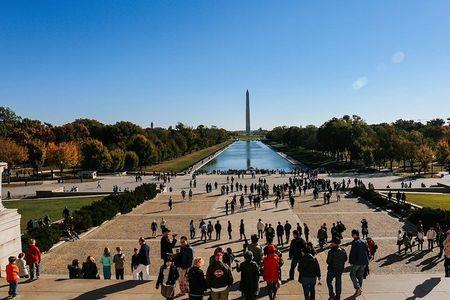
103 292
425 288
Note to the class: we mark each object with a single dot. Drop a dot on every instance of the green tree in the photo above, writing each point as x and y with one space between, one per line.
117 159
425 156
131 160
95 156
36 155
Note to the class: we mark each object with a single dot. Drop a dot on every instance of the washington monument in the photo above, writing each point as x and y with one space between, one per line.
247 113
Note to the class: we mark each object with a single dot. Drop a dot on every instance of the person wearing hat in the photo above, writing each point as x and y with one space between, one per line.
167 245
219 278
167 277
249 284
271 265
336 259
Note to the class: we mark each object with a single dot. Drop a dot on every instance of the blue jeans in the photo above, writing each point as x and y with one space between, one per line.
338 283
13 288
294 263
107 272
33 267
356 275
309 287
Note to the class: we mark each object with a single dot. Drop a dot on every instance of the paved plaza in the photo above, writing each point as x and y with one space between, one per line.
124 230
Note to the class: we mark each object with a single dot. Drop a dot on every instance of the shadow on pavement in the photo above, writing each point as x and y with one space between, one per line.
103 292
425 288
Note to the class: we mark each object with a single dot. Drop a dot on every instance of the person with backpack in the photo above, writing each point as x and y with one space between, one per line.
336 259
309 273
249 284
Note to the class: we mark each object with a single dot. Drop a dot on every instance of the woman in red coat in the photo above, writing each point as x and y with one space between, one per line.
271 265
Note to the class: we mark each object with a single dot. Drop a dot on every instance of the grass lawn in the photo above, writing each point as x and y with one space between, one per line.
182 163
35 209
430 200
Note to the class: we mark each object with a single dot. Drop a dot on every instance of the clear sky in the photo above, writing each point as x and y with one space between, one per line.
191 61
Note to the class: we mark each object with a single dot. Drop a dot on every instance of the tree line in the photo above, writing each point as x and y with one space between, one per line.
92 145
413 145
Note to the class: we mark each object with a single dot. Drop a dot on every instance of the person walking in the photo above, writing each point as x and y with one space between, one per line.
192 229
336 259
431 237
242 230
167 278
229 229
144 261
447 255
106 261
297 250
249 284
219 278
287 231
119 263
196 279
280 233
183 263
358 259
420 239
271 265
260 227
33 258
154 228
306 231
309 273
217 229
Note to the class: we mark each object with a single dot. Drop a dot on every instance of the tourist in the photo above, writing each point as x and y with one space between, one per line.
12 276
359 259
260 227
336 259
271 265
296 251
209 230
144 261
440 239
74 270
162 224
135 262
256 249
407 242
183 262
270 233
196 279
228 257
447 255
203 229
166 244
22 264
249 284
364 228
399 241
89 269
170 203
322 236
219 278
226 207
154 228
280 233
33 258
306 231
192 229
420 239
217 229
119 263
242 230
309 270
287 231
372 247
431 237
106 261
167 278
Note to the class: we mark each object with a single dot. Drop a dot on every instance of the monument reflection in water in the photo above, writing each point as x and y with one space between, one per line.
242 155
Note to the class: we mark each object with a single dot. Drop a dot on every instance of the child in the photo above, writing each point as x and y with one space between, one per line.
12 276
119 260
167 277
22 264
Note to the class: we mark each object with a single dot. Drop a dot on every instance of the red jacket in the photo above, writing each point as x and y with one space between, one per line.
371 245
271 266
12 273
33 255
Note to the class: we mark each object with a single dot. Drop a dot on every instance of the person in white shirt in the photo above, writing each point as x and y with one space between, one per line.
431 237
260 227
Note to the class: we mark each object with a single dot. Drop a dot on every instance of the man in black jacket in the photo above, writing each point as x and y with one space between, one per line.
280 233
167 245
144 261
336 259
249 284
296 250
219 278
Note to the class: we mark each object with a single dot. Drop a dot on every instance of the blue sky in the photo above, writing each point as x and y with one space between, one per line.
191 61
